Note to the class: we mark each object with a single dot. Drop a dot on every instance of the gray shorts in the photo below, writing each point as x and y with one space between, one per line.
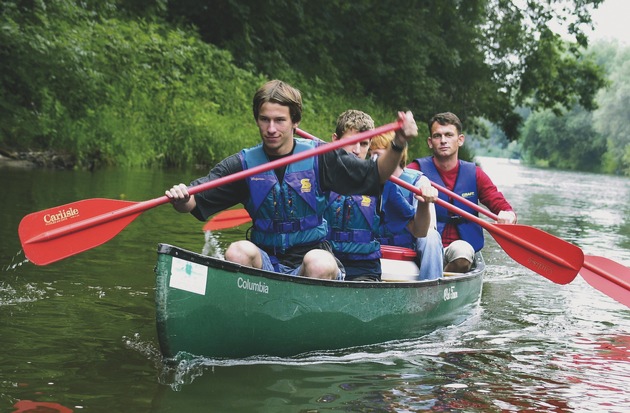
459 249
267 265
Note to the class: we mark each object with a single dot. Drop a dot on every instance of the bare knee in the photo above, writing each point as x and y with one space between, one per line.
458 265
319 264
458 256
244 253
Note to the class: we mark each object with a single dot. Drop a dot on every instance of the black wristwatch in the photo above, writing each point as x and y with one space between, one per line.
398 148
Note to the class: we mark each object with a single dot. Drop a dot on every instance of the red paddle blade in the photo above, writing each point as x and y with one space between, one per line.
227 219
549 256
57 233
607 276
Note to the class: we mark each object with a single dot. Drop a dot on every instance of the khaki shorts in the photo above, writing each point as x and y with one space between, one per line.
459 249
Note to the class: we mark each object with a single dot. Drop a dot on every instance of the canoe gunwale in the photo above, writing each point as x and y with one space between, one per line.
218 263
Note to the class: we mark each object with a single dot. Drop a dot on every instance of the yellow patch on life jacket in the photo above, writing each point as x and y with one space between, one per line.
365 201
306 185
468 194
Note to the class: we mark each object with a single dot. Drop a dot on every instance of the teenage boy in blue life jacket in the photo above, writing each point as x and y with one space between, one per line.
408 222
287 204
354 221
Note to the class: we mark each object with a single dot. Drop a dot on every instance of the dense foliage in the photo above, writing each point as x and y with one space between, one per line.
142 82
114 90
612 118
584 140
564 142
472 57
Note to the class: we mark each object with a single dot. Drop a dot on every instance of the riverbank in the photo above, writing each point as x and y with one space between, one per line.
34 159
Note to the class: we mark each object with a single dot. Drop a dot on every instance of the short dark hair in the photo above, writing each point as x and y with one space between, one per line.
446 118
277 91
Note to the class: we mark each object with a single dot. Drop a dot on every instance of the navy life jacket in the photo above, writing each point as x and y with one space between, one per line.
466 187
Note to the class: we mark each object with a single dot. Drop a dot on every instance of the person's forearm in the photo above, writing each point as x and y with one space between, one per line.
388 163
391 158
421 222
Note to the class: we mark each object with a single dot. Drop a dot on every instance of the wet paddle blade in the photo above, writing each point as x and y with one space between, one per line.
227 219
607 276
543 253
549 256
56 233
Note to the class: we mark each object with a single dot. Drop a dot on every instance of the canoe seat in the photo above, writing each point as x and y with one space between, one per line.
398 264
392 252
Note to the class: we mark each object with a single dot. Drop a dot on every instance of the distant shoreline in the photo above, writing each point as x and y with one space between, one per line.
29 160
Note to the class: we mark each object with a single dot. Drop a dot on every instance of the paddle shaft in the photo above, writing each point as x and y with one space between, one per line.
307 135
145 205
465 201
489 227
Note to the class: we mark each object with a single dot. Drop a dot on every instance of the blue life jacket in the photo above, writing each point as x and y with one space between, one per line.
399 207
353 224
289 213
466 187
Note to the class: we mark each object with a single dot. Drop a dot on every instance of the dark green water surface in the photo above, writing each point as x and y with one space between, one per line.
80 334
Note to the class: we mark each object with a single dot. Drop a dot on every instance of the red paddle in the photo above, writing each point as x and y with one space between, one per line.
465 201
603 274
227 219
608 276
57 233
549 256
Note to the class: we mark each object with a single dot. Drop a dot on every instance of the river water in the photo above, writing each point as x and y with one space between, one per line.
79 335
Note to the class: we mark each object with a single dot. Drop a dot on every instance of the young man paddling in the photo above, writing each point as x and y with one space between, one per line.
461 238
287 204
356 222
353 220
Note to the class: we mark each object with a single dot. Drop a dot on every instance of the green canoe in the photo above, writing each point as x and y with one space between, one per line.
213 308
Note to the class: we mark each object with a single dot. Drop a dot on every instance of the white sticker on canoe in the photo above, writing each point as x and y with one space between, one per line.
188 276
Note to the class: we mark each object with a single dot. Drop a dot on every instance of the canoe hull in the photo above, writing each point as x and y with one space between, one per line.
213 308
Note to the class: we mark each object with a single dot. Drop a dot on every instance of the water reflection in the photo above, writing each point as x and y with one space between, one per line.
589 210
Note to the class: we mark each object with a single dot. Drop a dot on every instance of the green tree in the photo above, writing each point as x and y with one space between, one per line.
86 79
42 75
568 141
112 81
612 118
474 57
